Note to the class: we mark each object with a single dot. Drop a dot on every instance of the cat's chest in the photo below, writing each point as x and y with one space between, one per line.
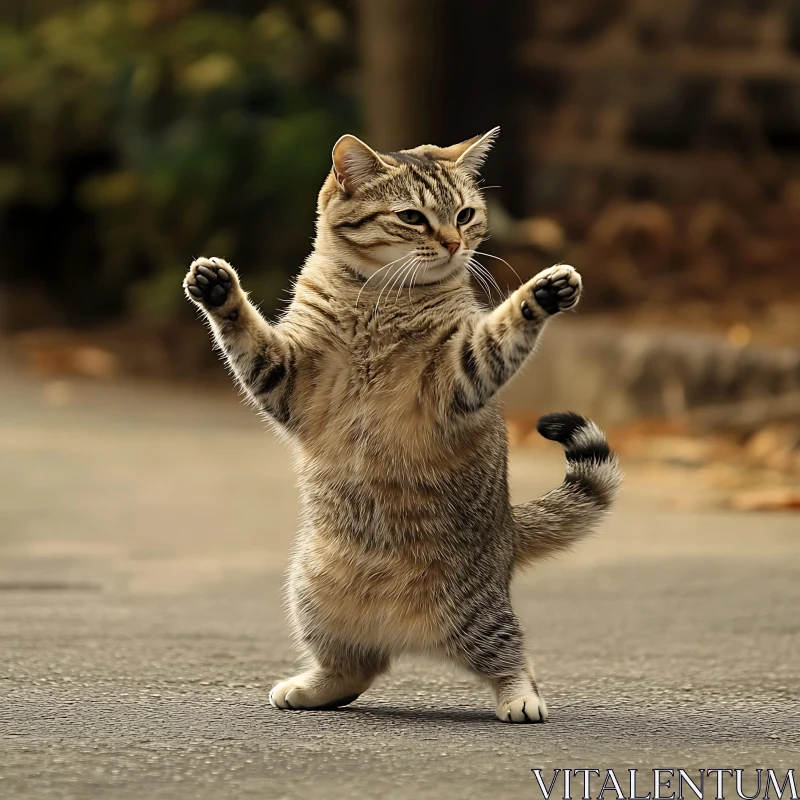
366 396
382 357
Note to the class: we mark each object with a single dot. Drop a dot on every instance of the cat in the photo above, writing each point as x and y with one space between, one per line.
383 374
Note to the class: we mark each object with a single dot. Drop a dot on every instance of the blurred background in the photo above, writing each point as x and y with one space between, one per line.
654 146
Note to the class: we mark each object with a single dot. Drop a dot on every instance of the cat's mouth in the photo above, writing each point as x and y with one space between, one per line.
450 258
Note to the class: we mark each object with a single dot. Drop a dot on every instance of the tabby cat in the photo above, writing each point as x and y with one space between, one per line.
383 374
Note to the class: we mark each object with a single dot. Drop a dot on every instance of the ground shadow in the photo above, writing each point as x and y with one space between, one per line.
464 716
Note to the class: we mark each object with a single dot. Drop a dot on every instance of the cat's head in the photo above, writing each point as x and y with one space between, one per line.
413 214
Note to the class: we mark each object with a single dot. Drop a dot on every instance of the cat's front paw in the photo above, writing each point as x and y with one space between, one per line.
557 289
212 284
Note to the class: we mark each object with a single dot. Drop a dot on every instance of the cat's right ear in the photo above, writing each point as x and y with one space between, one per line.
472 153
354 162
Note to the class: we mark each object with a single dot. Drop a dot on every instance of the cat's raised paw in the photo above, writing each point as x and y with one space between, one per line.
211 282
528 708
557 288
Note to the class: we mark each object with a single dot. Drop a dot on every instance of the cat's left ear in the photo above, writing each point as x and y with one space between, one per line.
354 162
472 154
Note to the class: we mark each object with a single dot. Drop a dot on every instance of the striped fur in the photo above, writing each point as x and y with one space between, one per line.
385 381
562 517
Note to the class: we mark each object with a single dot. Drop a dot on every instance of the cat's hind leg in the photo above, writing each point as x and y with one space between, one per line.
490 642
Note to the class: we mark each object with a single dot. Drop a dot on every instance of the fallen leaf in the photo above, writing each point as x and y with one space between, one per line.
773 499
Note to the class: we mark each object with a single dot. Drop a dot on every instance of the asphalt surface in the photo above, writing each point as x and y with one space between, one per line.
143 538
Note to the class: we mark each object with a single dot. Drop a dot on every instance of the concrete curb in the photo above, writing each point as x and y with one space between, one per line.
615 375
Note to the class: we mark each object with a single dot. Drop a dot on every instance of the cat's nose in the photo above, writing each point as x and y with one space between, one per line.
451 246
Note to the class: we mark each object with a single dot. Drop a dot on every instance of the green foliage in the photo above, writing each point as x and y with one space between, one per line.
136 136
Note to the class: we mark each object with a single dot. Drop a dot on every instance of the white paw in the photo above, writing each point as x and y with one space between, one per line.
292 694
528 708
278 697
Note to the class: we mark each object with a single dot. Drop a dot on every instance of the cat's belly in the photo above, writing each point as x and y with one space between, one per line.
397 442
399 507
419 500
386 600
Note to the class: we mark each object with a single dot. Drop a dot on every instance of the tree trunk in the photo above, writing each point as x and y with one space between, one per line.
441 71
401 53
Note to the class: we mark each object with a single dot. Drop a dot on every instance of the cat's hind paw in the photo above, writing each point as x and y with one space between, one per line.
528 708
294 694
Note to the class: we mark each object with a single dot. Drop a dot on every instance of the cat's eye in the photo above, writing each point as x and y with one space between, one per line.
465 215
412 217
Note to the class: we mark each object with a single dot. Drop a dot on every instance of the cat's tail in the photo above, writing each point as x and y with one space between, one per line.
565 515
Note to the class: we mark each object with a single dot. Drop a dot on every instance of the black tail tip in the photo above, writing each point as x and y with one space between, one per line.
560 427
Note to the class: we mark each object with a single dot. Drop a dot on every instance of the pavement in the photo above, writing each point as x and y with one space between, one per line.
144 532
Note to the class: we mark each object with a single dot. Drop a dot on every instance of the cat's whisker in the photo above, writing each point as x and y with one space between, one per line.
489 255
408 272
392 273
481 283
478 267
374 274
396 275
391 278
420 266
490 278
400 277
479 278
487 275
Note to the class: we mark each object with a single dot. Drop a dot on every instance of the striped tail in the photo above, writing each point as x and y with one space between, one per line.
565 515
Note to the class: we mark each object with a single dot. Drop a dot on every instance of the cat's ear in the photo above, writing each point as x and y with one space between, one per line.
472 153
354 162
